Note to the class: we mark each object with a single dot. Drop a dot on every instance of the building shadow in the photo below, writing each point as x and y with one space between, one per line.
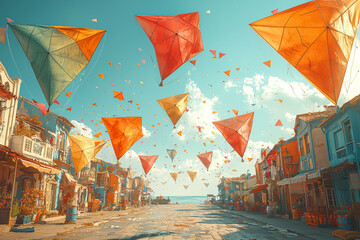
144 235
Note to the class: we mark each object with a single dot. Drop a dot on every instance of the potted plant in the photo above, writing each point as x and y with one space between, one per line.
15 211
28 204
4 208
344 216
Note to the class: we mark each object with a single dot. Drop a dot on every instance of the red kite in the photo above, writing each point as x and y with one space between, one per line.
206 158
176 39
147 162
316 38
236 131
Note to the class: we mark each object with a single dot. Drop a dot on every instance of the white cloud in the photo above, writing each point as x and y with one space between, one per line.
290 117
229 84
200 114
81 128
288 130
249 93
146 132
257 81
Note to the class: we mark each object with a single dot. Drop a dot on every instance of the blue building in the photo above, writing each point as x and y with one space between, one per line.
43 138
342 131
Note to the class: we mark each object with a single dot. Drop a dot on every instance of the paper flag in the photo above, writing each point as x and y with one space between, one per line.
267 63
275 11
279 123
213 52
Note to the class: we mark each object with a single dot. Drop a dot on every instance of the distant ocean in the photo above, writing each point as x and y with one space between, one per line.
187 199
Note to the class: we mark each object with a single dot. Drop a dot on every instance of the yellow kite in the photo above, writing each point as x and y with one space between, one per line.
174 106
83 149
192 175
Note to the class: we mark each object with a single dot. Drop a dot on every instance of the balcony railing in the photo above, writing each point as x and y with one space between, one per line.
39 150
87 177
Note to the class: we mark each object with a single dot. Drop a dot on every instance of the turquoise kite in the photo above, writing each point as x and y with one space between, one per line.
57 54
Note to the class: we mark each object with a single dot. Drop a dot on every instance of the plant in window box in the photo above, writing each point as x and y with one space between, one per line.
28 204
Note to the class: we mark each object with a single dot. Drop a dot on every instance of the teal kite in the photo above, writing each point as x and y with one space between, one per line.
57 54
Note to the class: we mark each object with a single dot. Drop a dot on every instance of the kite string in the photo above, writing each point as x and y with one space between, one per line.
12 56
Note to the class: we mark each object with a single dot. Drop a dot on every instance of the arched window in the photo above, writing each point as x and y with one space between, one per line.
7 86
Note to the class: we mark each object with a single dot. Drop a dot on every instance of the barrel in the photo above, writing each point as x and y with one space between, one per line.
344 223
71 215
295 214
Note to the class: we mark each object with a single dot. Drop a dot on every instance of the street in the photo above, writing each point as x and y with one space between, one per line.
161 222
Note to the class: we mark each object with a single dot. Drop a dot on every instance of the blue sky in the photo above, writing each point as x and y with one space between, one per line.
225 29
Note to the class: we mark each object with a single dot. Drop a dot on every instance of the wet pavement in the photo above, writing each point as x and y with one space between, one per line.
166 222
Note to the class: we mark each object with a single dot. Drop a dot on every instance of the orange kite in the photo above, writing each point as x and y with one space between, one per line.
236 131
123 132
118 95
174 106
316 38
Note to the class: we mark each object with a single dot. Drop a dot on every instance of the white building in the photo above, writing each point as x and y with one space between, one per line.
9 93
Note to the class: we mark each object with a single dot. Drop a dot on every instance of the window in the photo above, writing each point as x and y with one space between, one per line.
339 139
7 86
60 141
347 131
301 143
307 143
340 144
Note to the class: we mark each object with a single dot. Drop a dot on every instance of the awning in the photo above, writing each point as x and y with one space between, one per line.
259 188
315 174
39 167
299 178
284 181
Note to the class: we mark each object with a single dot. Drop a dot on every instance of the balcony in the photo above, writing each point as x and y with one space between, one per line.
87 177
41 151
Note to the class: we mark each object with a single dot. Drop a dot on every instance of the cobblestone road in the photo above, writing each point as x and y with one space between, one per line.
178 222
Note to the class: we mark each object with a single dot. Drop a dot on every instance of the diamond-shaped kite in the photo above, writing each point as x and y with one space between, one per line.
174 106
83 150
206 158
316 38
123 132
176 39
147 162
236 131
